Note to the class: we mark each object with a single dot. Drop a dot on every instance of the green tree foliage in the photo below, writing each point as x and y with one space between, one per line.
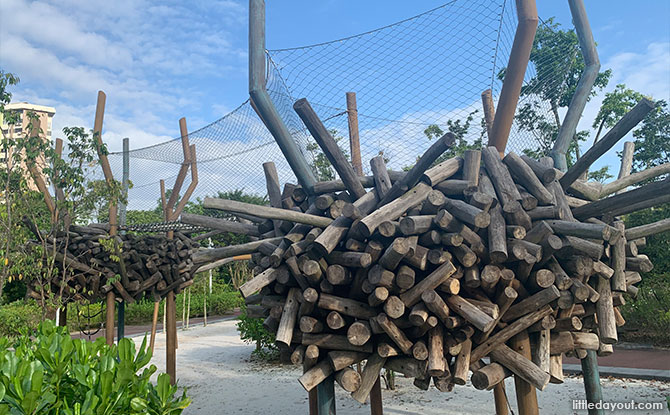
614 106
601 175
558 63
320 164
652 138
459 128
53 374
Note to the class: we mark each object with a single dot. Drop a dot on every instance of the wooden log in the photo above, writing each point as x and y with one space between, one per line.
378 296
381 176
333 342
508 332
532 303
433 202
629 180
369 377
421 171
394 307
540 352
462 363
416 225
443 170
345 306
432 281
392 210
489 375
348 379
526 177
605 313
437 364
586 341
404 277
502 180
622 127
204 256
556 369
546 174
288 317
497 245
520 366
395 253
436 304
453 187
394 332
640 263
339 359
329 146
261 280
648 230
335 321
266 212
408 366
310 325
314 376
471 164
420 350
471 277
359 333
471 313
468 213
625 202
220 224
387 350
585 230
350 259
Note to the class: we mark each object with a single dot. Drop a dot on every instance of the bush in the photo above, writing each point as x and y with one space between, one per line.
252 331
648 314
54 374
19 316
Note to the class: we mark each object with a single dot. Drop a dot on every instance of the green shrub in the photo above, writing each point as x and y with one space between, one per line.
55 374
18 316
252 331
648 314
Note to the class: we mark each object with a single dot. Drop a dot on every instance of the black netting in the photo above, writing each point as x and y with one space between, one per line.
426 70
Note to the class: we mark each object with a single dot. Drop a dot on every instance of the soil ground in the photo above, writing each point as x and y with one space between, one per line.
215 366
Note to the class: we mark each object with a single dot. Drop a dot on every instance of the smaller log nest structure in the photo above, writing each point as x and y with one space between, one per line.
427 272
89 263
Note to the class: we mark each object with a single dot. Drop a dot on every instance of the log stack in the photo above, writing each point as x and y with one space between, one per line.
430 271
89 263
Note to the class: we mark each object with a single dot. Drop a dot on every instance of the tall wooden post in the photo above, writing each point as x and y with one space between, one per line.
516 70
171 337
526 395
376 407
354 142
109 178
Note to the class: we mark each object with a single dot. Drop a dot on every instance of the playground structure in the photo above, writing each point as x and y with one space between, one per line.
461 221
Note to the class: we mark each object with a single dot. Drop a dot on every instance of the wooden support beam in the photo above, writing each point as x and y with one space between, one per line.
354 143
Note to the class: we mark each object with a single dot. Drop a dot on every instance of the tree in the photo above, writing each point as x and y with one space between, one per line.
459 128
652 139
614 106
321 165
558 64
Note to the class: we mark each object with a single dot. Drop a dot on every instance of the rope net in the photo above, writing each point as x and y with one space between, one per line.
425 72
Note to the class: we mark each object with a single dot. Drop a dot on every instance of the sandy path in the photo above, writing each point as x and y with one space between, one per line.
214 364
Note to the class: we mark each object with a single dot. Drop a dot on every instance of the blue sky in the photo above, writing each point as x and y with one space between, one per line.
159 61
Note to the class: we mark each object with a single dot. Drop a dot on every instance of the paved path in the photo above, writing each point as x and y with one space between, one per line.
625 362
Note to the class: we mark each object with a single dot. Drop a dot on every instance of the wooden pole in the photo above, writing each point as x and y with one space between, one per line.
489 110
109 318
500 398
516 69
376 407
354 142
526 395
154 324
171 341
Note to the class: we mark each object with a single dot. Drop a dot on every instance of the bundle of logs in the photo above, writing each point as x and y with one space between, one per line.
430 271
89 263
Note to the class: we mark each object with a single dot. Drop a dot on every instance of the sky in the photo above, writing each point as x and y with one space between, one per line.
160 61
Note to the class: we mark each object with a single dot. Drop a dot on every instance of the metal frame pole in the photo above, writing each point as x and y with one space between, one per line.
121 314
326 396
516 69
594 392
583 90
262 103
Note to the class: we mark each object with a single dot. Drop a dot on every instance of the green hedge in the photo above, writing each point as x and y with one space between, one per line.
19 316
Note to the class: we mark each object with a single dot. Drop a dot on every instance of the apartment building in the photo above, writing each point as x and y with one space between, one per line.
20 129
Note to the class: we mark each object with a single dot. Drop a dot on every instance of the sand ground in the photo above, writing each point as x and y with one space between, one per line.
215 366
